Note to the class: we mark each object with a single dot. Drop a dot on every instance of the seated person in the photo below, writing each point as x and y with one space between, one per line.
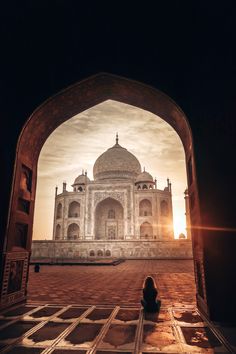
149 302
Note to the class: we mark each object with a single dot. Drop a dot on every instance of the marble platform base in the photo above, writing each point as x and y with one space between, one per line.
175 249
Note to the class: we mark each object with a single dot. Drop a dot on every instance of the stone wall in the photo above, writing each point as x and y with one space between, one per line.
72 250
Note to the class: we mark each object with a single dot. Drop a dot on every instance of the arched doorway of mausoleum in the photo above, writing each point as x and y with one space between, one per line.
109 220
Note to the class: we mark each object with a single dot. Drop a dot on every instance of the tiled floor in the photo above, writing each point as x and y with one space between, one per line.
97 310
106 329
121 284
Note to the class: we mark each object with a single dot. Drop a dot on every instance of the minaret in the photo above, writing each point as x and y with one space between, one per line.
187 214
169 185
54 218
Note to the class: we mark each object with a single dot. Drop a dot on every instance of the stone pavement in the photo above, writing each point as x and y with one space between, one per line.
56 329
116 285
96 309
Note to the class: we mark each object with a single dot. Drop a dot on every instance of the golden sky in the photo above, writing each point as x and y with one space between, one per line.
77 143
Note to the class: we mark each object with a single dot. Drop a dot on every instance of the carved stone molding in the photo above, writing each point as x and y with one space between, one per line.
100 196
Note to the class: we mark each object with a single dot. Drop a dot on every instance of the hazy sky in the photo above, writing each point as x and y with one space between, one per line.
77 143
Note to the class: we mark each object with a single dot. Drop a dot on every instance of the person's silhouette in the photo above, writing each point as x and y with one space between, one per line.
37 268
149 302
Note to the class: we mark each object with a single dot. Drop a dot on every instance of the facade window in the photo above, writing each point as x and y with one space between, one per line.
100 253
145 208
74 210
111 214
145 186
92 254
108 253
73 232
146 231
58 232
59 211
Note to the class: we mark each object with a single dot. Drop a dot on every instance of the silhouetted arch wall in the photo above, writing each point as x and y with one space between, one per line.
66 104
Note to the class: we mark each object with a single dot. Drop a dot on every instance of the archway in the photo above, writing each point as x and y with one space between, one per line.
146 231
59 211
73 232
47 118
74 210
145 208
109 220
164 208
58 232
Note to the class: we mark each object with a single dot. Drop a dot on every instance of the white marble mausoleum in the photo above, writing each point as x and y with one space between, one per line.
120 213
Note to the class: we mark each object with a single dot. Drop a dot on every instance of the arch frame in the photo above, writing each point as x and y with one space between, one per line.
148 205
58 234
71 205
72 101
146 225
69 226
115 221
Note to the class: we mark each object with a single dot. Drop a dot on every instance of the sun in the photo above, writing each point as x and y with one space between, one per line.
179 225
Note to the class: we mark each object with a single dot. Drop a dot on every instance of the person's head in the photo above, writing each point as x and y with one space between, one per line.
149 283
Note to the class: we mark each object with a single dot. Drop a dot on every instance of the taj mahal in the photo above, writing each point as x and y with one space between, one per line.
120 213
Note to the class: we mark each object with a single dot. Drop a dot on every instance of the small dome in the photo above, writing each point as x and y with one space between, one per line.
118 163
144 177
81 179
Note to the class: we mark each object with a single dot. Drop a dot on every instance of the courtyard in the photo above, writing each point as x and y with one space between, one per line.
96 309
116 285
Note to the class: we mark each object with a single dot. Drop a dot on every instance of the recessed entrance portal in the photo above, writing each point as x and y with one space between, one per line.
47 118
109 220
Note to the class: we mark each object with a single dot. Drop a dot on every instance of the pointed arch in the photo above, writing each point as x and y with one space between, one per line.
73 232
59 211
108 253
74 210
164 208
74 100
145 208
58 232
105 226
146 230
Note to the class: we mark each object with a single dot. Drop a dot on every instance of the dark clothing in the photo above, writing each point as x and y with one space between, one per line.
37 268
149 301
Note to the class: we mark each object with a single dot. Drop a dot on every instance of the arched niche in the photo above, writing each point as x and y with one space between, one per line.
109 220
61 107
74 210
145 207
58 232
73 231
59 211
146 231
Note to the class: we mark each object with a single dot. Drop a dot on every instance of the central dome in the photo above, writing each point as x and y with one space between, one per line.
116 163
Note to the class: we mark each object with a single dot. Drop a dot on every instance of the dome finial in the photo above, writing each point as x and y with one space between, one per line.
117 138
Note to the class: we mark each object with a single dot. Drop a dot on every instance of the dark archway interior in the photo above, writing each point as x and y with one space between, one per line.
70 102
